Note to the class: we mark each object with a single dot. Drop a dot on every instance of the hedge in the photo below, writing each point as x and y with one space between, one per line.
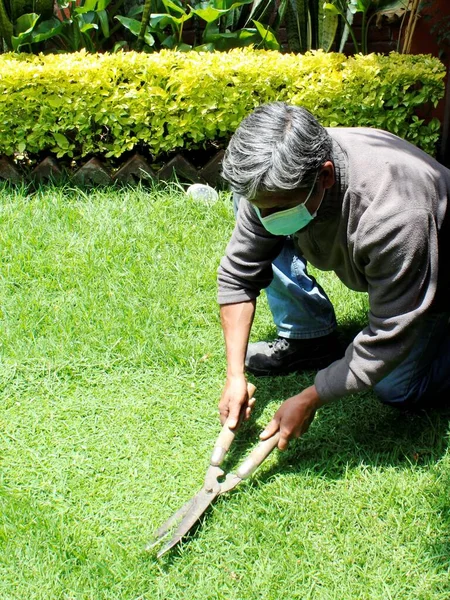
83 104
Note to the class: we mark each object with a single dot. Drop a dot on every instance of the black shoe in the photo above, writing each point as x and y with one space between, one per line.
283 355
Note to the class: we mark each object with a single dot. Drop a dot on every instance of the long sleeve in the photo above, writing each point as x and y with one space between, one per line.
246 267
399 258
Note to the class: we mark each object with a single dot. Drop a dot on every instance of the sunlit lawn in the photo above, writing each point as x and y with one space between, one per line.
112 365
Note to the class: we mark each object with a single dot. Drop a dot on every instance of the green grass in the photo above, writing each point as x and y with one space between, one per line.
111 368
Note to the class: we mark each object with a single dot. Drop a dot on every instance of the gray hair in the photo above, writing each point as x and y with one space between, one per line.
277 147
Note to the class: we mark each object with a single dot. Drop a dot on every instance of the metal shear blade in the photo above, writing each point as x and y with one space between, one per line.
190 513
199 504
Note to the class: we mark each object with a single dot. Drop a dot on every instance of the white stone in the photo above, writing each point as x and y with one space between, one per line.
204 193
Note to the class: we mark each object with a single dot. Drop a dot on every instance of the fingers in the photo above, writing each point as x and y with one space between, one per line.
235 404
223 411
234 414
234 400
291 420
271 429
285 435
233 421
283 442
248 408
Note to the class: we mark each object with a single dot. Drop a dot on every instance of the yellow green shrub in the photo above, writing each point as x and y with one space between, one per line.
79 104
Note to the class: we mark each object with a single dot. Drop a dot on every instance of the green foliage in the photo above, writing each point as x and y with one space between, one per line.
368 8
79 104
223 30
84 25
157 24
308 25
219 28
11 13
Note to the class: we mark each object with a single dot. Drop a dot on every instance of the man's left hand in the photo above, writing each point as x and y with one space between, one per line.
294 417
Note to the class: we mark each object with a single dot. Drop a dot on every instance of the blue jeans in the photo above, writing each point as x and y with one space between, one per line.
423 378
301 310
299 306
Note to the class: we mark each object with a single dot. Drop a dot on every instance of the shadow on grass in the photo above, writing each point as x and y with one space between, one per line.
353 432
356 430
360 431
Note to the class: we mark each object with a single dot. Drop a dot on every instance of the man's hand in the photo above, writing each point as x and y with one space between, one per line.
294 417
234 399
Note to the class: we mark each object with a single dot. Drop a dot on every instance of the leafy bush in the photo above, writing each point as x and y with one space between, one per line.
218 25
79 104
94 25
77 27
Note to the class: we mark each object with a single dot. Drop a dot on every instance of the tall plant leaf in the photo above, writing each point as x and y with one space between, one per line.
209 14
269 41
88 5
23 27
134 27
261 11
313 24
47 30
6 27
297 25
343 8
328 29
144 24
347 28
280 15
104 22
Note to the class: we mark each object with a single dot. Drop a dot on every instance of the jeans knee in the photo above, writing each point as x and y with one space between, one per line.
416 396
389 394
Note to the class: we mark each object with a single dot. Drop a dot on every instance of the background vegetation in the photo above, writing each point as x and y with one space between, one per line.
149 25
79 104
112 366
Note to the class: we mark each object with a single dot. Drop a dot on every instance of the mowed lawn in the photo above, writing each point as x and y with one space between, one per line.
111 368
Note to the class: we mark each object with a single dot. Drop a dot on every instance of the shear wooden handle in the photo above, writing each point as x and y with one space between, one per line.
226 436
260 453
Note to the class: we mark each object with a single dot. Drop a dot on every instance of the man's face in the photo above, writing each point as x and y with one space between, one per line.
271 202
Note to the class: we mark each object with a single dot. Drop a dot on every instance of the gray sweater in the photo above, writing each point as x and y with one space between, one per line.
378 229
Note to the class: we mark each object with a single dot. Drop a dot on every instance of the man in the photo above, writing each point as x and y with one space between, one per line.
365 204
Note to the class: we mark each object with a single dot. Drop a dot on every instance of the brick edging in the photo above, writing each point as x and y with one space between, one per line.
96 173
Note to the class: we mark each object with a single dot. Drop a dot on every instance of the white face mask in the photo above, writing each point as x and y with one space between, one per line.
291 220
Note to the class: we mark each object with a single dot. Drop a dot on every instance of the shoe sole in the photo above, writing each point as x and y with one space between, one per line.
304 365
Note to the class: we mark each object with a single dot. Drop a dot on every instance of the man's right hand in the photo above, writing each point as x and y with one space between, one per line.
236 324
234 400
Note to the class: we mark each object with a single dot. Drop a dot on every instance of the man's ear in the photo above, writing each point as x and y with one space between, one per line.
326 174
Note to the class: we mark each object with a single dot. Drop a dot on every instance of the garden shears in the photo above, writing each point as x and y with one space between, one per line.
215 484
